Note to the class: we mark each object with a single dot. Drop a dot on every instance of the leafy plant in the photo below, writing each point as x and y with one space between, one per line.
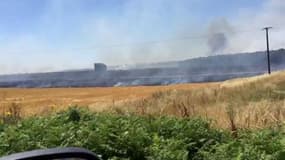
133 137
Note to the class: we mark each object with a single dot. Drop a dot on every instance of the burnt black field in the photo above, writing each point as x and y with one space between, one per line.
202 69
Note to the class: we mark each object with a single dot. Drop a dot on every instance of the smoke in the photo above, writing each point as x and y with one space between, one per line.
118 37
251 37
219 32
141 22
217 42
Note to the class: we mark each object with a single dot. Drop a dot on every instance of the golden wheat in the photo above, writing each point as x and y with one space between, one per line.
241 103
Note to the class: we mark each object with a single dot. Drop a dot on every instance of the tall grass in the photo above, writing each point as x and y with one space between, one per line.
10 114
254 104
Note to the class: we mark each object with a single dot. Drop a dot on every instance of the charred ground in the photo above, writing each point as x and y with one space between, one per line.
203 69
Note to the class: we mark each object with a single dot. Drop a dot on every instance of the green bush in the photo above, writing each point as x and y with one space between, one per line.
139 138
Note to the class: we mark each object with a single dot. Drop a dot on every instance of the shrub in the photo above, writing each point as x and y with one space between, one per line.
133 137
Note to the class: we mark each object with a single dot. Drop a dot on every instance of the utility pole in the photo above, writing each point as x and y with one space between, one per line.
268 52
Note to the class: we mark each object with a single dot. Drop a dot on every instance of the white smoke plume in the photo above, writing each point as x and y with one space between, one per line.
111 41
250 23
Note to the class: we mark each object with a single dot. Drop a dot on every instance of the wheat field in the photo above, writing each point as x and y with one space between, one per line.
40 100
253 102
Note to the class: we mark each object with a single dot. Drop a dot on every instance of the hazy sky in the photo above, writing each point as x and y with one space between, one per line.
49 35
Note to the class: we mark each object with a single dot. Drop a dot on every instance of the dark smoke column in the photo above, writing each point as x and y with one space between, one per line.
217 42
218 33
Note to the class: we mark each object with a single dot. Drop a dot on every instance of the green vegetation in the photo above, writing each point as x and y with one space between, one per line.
133 137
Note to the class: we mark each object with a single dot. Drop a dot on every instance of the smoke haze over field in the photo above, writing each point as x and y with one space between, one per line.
66 34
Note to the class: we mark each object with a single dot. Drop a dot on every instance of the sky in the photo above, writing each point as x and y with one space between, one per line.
52 35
